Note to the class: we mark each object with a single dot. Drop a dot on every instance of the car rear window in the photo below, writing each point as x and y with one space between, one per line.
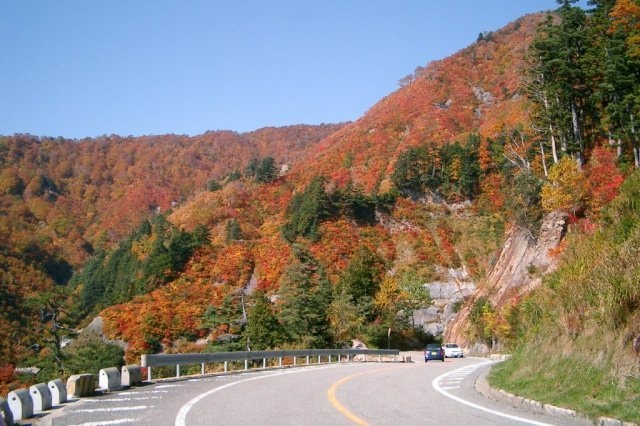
435 346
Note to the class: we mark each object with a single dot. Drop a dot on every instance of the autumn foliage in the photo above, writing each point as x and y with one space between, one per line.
421 182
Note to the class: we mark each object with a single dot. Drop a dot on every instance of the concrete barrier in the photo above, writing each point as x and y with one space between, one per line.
109 379
58 392
40 397
131 375
6 416
80 385
20 404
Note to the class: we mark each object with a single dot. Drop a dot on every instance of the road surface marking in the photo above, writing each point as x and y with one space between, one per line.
107 422
181 418
436 385
135 398
142 392
331 394
99 410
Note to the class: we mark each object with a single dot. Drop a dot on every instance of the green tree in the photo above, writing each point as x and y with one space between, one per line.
232 230
345 319
214 185
304 299
306 210
563 60
362 277
89 353
523 200
266 170
228 322
263 330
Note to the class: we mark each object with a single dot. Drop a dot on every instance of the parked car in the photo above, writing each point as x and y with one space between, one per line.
452 350
433 351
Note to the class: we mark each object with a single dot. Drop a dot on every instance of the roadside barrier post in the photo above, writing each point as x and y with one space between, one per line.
58 392
5 413
131 375
80 385
40 397
109 379
20 404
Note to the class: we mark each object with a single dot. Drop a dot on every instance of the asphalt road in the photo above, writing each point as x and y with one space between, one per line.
335 394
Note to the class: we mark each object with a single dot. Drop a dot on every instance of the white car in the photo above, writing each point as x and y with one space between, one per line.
452 350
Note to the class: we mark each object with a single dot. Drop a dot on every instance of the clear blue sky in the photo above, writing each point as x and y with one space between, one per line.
78 68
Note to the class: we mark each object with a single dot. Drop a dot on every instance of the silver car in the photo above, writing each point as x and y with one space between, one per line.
452 350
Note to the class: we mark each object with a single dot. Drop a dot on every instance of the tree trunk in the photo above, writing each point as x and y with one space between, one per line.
544 160
636 146
577 136
554 150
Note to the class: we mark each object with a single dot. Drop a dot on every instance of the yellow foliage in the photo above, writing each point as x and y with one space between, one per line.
388 294
566 187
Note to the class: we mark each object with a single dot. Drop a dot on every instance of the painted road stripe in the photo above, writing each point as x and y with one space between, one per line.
102 410
181 418
136 398
331 394
436 385
108 422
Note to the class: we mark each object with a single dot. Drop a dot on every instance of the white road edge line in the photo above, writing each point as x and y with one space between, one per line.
107 422
181 418
437 387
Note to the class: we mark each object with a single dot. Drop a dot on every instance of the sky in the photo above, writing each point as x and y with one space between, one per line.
78 68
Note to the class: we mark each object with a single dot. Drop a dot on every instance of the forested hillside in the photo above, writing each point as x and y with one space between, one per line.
535 118
64 201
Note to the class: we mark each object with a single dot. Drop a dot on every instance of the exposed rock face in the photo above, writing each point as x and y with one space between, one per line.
445 295
519 269
97 327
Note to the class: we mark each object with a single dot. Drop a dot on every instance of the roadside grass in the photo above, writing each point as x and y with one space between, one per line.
575 335
569 382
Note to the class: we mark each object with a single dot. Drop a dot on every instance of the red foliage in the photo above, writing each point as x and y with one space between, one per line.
7 377
603 177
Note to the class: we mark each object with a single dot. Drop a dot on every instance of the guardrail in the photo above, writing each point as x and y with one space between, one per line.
160 360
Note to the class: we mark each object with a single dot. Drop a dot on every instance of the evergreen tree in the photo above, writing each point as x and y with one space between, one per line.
345 319
266 170
307 210
565 61
252 167
361 279
524 200
263 330
232 231
304 299
227 322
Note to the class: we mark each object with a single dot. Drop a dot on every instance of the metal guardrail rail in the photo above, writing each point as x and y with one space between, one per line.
164 360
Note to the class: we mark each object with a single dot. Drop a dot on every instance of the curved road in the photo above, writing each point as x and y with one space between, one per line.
333 394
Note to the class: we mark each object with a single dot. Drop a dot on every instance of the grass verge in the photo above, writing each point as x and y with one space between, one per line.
570 382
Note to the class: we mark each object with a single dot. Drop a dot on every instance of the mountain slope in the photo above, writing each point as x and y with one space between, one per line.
61 201
472 92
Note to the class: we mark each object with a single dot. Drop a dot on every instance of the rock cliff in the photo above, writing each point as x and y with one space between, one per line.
522 263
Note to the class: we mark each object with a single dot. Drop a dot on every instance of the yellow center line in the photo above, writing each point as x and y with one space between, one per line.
331 394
